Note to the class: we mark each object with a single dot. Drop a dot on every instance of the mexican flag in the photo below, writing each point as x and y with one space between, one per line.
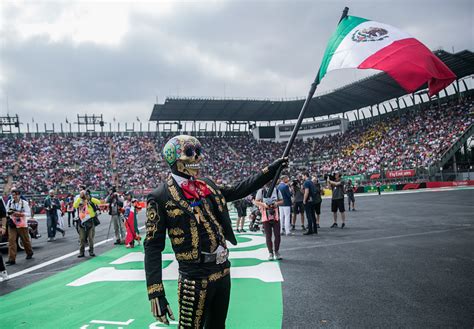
364 44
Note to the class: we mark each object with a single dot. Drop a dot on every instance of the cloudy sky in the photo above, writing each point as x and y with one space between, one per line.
60 58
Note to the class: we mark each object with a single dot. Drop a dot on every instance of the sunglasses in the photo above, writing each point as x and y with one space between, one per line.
191 150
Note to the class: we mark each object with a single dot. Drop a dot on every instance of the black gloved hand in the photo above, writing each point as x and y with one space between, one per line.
279 162
161 309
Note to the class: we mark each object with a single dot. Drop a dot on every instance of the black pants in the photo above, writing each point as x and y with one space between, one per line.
203 303
309 211
2 264
52 224
70 214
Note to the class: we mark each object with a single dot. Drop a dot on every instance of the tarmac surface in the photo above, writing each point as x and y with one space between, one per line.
403 260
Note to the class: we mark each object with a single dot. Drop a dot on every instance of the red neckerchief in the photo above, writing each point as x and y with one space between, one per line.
195 189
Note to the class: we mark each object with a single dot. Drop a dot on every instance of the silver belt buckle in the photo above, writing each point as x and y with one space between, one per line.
221 255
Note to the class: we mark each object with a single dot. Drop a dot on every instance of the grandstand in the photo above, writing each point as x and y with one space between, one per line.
420 141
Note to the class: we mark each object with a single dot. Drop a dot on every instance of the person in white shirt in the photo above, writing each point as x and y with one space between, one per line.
18 211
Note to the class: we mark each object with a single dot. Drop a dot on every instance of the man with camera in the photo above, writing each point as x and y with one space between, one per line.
115 202
337 201
52 205
298 208
87 207
270 219
18 211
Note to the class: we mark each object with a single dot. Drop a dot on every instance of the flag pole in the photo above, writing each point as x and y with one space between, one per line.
312 90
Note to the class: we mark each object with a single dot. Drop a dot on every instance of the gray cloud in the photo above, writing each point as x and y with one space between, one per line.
245 48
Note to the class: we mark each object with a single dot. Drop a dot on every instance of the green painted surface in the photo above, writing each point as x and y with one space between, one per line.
50 303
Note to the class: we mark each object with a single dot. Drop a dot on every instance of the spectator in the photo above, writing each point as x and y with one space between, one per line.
270 219
285 207
317 199
241 207
71 212
3 228
131 224
337 202
308 202
350 189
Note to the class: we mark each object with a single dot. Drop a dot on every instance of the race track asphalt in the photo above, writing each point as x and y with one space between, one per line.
404 261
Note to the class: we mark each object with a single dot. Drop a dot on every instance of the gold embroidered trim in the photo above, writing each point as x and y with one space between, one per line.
214 221
152 219
175 231
174 213
158 287
200 308
177 241
218 275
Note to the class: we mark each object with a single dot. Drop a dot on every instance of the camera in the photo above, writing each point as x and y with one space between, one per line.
330 176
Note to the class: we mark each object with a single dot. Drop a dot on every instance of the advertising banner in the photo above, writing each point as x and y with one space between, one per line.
375 175
354 178
400 173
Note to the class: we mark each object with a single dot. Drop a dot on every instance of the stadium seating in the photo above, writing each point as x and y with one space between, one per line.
417 139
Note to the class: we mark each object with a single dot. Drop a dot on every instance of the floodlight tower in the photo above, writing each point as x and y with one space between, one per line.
8 122
90 122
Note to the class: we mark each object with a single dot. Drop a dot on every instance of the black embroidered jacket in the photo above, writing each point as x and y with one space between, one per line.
192 231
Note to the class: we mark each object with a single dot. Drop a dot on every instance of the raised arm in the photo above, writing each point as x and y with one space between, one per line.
252 183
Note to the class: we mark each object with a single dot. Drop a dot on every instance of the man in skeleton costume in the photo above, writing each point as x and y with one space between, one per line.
194 211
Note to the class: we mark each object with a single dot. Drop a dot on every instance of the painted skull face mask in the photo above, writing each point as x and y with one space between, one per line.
184 155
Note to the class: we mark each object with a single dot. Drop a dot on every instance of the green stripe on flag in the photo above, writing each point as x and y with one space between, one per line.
346 25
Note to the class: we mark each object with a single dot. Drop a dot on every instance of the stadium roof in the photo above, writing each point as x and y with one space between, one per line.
372 90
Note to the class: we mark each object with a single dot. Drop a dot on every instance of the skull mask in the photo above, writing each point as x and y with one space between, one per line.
183 154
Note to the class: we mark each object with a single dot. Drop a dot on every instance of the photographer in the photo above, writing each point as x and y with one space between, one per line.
337 202
270 218
87 207
18 210
115 202
52 205
297 203
3 228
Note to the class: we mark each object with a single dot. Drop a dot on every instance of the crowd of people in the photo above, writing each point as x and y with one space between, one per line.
413 140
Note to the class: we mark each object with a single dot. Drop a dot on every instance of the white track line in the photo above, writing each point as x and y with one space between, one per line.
58 259
467 226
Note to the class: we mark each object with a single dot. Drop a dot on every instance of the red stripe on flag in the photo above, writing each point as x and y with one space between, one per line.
411 64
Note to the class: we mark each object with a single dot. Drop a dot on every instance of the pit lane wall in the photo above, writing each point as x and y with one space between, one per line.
406 186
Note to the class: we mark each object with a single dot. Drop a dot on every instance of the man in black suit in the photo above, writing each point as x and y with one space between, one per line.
194 211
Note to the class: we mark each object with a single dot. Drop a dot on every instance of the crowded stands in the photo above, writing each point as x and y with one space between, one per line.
416 139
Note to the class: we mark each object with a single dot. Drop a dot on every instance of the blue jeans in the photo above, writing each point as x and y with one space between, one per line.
311 218
52 223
